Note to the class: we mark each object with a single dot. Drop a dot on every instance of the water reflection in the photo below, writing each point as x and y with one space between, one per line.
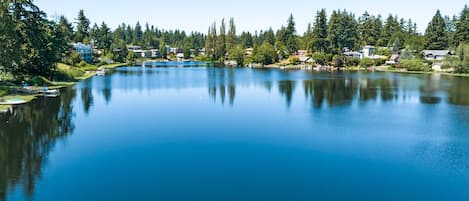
221 82
27 136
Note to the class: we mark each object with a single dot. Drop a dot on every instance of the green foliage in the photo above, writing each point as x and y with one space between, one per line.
367 62
352 62
237 54
266 54
82 27
319 40
74 59
415 65
383 51
342 31
338 61
130 57
436 36
461 34
294 60
461 65
321 58
369 28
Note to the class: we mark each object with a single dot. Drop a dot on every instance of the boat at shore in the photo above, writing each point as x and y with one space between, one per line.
101 72
13 102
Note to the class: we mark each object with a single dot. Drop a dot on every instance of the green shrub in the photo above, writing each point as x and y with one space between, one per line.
74 59
82 64
415 65
320 58
380 61
338 61
352 61
367 62
294 60
37 81
3 91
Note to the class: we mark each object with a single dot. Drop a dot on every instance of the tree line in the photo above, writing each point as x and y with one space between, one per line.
31 44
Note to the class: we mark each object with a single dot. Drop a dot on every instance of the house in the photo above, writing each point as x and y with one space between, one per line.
201 52
85 51
435 55
301 53
176 50
132 47
249 51
180 55
393 60
305 59
355 55
154 53
369 52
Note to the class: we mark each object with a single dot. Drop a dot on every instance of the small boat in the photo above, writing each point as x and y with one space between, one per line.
101 73
16 101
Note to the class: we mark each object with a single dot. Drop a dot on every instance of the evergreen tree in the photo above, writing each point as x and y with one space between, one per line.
40 40
246 40
269 36
461 34
104 37
163 50
9 40
308 37
137 34
221 42
436 35
290 36
231 36
390 28
83 27
342 31
94 34
369 29
320 41
66 28
210 42
129 32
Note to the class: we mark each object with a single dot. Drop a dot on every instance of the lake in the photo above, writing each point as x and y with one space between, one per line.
176 132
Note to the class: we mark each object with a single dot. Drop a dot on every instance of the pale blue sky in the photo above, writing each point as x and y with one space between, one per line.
249 14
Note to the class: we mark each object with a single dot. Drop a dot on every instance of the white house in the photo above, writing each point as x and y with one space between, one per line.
356 55
369 52
435 55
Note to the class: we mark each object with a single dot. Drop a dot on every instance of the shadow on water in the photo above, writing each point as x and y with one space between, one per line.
27 135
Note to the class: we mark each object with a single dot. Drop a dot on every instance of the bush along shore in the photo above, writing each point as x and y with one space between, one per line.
13 92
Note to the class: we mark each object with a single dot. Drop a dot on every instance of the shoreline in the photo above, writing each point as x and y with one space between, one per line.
28 97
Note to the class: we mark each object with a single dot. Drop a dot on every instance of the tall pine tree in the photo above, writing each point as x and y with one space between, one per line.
436 35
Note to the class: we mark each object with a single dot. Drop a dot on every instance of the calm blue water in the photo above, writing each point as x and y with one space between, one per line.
218 134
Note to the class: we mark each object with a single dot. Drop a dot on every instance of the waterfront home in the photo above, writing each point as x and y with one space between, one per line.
355 55
249 51
176 50
85 51
132 47
395 58
305 59
154 53
369 52
435 55
301 53
201 51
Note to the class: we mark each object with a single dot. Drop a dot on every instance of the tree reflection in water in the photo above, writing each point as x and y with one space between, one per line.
27 136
